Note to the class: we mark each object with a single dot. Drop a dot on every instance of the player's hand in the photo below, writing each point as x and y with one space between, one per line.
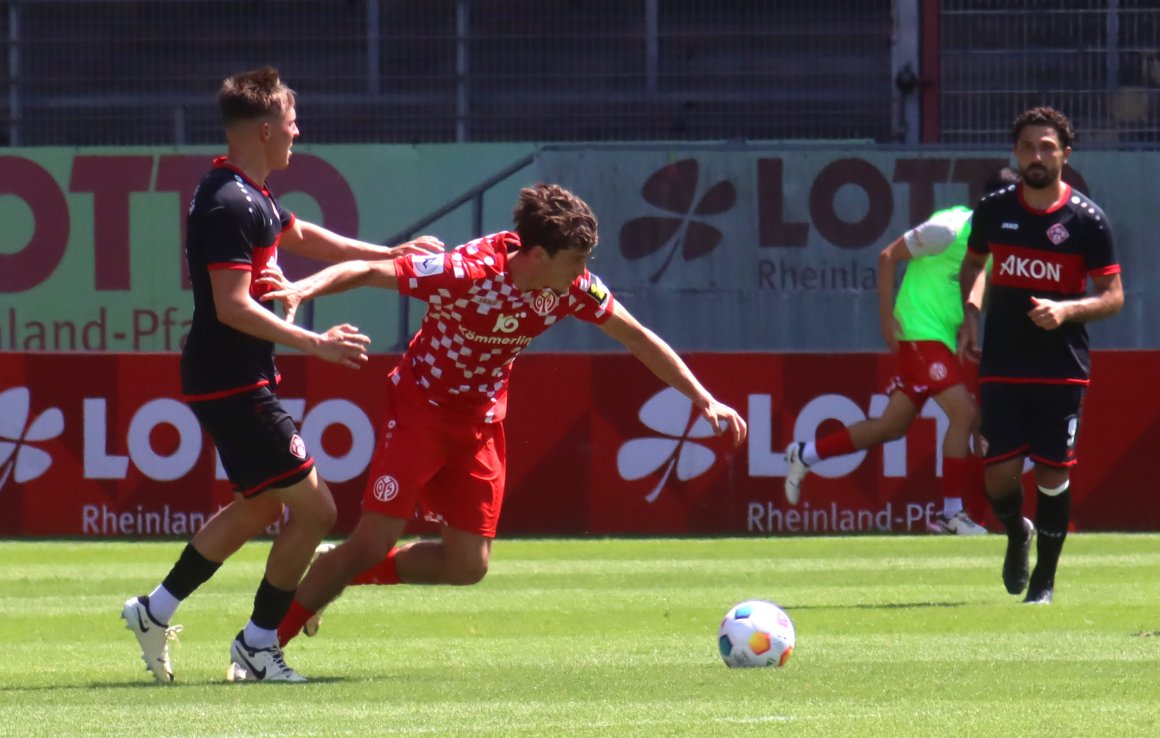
343 344
969 337
724 419
273 278
282 289
890 330
1047 314
421 245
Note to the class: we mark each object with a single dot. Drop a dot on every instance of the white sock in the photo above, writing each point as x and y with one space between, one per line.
810 454
1053 491
162 604
952 506
256 637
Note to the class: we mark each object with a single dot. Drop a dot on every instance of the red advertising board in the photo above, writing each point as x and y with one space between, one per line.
99 445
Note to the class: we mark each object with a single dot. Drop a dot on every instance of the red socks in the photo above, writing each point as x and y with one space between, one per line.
291 625
837 443
384 572
954 481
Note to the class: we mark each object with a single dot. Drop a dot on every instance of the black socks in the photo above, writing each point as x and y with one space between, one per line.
1009 512
1052 517
190 572
270 605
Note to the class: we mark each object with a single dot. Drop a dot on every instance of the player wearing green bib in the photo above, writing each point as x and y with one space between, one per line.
921 329
923 310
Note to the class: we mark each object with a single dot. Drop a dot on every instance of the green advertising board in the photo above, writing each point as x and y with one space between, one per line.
91 250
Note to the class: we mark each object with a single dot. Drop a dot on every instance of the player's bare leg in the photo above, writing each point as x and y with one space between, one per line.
961 411
365 553
962 414
370 542
223 534
229 528
255 653
892 424
311 626
895 420
459 558
312 515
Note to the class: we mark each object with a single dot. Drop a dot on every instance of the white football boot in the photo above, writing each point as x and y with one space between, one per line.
259 664
797 471
153 637
959 524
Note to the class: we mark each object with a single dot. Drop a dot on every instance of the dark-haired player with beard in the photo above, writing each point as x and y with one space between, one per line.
1046 242
441 452
228 377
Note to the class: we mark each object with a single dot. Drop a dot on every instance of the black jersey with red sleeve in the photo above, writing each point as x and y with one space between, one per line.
233 223
1044 254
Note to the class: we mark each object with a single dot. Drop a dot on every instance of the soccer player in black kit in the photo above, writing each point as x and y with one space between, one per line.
1046 241
234 231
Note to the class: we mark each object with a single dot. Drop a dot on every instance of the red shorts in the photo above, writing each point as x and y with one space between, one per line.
441 469
927 368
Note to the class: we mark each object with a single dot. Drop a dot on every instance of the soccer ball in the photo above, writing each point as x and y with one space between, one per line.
756 633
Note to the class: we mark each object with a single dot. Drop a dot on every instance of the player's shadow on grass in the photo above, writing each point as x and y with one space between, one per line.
877 606
175 685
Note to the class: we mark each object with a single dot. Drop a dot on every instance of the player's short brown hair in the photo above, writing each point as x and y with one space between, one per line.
549 216
1044 116
254 94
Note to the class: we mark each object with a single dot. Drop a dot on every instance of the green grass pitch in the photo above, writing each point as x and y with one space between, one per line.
897 636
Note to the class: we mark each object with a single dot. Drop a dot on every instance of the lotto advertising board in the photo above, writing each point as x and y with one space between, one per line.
106 227
751 247
100 445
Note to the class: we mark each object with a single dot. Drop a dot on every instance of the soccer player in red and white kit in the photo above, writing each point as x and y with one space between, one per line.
441 451
1046 241
228 377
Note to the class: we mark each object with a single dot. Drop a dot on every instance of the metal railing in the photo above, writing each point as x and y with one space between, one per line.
121 72
1097 60
473 196
145 72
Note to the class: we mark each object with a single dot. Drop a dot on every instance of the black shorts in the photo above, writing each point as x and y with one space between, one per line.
257 440
1036 420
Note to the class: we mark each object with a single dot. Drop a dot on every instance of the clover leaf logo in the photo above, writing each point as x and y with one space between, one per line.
18 459
674 189
673 416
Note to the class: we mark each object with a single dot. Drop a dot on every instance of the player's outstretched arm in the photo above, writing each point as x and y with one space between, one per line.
342 344
337 278
659 357
315 242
